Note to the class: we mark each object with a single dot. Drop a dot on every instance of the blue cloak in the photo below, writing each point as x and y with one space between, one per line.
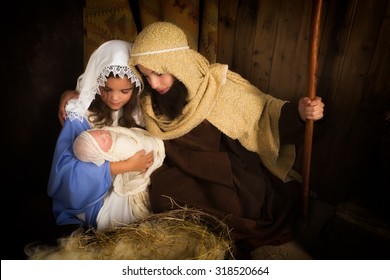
76 187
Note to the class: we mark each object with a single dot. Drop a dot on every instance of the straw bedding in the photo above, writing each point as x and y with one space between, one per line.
176 234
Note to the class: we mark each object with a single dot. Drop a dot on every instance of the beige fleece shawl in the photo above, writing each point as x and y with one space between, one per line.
224 98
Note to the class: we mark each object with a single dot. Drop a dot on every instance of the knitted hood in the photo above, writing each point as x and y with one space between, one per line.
163 47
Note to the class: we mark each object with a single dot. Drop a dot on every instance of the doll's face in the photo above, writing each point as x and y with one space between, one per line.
103 138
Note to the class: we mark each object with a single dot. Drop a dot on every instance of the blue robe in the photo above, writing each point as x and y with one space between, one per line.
75 186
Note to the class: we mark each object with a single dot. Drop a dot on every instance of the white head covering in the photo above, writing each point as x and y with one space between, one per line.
111 57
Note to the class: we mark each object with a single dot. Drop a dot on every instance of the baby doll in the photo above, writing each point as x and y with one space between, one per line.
113 144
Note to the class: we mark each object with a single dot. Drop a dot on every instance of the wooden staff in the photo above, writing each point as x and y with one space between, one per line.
312 74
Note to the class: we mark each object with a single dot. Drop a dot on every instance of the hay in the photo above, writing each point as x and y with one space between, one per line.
181 234
287 251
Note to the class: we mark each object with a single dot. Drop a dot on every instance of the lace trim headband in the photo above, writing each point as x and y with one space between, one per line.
118 70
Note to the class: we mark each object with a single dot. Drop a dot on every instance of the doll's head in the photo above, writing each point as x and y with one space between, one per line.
102 137
91 145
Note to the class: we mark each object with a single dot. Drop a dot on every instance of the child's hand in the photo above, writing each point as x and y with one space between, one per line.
65 97
311 109
142 160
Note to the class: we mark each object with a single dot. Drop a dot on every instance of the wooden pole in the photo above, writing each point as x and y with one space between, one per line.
311 93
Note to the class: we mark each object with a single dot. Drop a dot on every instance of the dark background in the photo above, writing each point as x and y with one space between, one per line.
42 47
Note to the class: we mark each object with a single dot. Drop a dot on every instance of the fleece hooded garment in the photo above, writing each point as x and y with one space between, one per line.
225 99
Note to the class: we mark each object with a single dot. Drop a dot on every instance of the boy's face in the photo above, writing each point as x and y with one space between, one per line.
169 94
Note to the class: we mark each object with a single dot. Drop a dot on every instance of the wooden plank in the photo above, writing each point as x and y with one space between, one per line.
266 27
244 37
299 75
340 150
227 20
286 48
377 84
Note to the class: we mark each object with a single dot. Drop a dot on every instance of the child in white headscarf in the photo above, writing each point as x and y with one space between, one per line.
82 192
118 143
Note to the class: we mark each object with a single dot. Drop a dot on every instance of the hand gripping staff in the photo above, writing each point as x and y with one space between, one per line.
311 93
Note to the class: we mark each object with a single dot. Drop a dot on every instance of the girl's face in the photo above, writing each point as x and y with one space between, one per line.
103 138
117 92
159 82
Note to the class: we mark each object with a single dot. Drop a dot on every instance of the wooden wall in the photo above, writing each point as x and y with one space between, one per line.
267 42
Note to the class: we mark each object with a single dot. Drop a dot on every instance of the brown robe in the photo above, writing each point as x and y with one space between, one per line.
212 172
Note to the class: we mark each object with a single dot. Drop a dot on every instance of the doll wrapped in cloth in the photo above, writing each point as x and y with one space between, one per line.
116 144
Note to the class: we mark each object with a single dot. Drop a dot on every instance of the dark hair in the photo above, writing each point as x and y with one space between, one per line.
170 104
101 114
